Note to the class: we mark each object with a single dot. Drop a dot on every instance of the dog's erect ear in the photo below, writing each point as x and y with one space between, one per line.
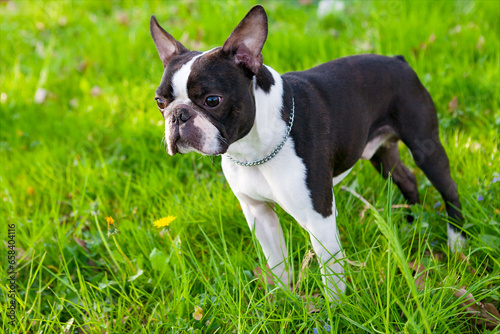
166 45
247 39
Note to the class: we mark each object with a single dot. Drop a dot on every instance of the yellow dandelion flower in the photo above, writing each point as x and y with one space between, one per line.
165 221
110 220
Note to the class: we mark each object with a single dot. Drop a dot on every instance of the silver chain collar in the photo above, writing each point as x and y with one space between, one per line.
275 151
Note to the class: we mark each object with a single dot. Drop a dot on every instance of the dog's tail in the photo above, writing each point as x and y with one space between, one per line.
399 57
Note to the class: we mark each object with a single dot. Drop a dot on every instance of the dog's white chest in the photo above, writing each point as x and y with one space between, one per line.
273 181
250 182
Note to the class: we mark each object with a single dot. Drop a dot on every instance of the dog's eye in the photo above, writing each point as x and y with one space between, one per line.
161 103
213 101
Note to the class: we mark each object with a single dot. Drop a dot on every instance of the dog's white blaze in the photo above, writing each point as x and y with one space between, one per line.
281 180
180 78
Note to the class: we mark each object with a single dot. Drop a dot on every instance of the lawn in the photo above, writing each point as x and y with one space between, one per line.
80 140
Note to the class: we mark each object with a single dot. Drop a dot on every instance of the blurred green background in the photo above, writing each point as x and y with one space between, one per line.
80 139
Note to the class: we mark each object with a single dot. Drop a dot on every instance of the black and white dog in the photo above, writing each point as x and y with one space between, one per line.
288 139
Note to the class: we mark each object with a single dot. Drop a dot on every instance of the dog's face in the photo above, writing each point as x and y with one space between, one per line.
207 98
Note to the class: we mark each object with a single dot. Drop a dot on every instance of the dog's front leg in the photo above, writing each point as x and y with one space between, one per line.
326 243
324 239
264 222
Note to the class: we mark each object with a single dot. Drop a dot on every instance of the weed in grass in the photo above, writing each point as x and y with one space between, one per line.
163 222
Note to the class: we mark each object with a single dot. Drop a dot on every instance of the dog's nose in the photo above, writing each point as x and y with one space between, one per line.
181 114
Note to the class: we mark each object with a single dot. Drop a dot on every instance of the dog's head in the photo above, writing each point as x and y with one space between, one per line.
206 98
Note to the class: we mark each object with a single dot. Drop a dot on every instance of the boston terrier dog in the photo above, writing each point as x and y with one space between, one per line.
288 139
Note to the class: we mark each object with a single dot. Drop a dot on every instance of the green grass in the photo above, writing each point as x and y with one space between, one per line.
76 158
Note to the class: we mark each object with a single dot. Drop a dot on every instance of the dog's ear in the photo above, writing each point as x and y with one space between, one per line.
245 43
166 45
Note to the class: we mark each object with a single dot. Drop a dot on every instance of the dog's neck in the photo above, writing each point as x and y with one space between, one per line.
269 127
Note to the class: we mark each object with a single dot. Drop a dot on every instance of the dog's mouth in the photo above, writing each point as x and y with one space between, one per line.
182 146
183 139
179 145
186 144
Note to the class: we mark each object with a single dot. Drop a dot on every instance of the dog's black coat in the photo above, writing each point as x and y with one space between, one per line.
363 97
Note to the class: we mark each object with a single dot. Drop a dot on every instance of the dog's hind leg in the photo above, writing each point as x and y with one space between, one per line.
421 135
386 161
431 158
